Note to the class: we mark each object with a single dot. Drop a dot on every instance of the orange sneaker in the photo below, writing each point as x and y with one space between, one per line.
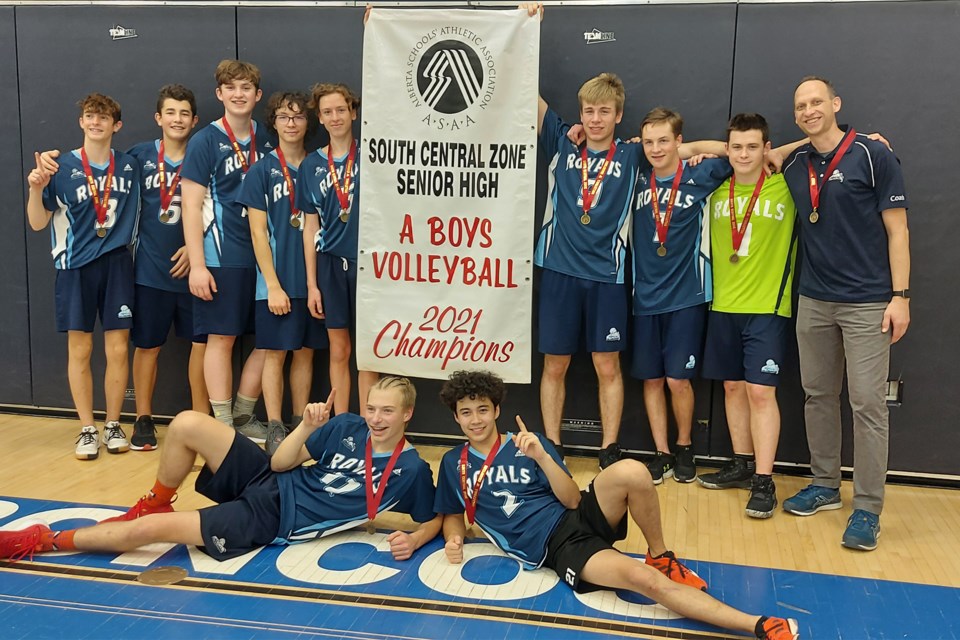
15 545
668 565
143 508
777 629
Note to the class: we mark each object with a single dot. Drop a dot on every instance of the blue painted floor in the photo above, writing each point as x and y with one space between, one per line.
349 586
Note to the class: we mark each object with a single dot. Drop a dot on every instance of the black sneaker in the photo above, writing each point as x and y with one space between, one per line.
661 466
763 497
609 454
735 474
686 469
144 434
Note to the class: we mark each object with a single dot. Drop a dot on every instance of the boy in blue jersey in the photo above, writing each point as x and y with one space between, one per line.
671 284
162 295
854 301
276 226
272 500
92 201
582 251
222 273
516 489
160 259
328 193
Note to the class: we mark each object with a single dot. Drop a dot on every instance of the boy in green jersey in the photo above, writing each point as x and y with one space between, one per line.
753 240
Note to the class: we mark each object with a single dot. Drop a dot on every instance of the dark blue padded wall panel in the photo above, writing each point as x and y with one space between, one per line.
14 343
894 67
172 44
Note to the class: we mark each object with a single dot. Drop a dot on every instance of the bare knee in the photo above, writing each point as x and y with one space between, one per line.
555 367
678 386
184 424
80 345
733 387
607 366
761 396
654 384
340 348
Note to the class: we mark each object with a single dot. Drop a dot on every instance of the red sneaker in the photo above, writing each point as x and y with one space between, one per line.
15 545
668 565
142 508
777 629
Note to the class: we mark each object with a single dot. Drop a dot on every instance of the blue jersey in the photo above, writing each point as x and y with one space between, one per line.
330 496
597 250
266 189
316 195
517 508
159 232
73 227
682 278
211 161
845 255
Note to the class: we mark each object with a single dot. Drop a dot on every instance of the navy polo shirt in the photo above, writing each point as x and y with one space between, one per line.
845 255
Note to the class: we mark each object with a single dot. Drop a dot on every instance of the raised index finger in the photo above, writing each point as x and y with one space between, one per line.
36 155
329 402
523 427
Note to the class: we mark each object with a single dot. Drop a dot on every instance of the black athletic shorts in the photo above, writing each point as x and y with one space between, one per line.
581 533
248 513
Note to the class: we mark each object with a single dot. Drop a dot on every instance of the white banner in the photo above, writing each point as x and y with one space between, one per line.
448 160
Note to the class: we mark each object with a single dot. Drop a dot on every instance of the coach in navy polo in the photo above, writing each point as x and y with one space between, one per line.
854 301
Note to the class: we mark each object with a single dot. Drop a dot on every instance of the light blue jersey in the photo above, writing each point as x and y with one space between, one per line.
596 250
73 227
517 508
266 189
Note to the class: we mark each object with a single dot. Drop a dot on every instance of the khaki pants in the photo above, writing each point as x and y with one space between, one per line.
827 334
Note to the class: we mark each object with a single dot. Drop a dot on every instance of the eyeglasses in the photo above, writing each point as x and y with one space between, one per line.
298 119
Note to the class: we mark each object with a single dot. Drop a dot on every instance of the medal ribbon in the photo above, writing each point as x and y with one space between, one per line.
374 498
735 232
588 193
343 193
815 189
244 163
663 225
470 504
100 205
166 197
288 180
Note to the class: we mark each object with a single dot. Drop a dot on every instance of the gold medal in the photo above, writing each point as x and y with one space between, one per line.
585 219
165 217
371 529
661 251
101 232
344 215
814 216
295 222
734 258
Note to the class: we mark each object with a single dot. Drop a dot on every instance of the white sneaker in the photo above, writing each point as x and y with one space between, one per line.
88 443
114 439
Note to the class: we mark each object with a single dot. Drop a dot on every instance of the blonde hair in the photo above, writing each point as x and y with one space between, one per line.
408 393
606 87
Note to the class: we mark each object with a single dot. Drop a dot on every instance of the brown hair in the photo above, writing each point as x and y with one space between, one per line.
660 115
176 92
830 89
322 89
289 100
101 104
230 70
749 122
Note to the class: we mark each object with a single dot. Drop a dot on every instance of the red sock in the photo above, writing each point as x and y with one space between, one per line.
160 494
58 540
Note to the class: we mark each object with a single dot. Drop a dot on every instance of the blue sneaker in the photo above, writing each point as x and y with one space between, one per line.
812 498
863 529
